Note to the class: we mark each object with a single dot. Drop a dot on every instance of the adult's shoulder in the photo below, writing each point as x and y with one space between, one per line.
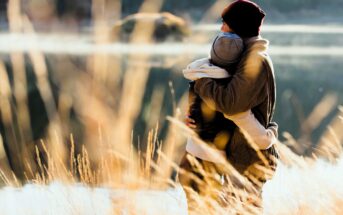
268 63
254 60
256 47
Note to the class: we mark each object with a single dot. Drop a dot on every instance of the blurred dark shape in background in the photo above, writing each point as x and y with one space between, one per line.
81 10
71 15
168 27
45 14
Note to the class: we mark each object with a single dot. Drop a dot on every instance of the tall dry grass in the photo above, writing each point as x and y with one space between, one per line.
106 97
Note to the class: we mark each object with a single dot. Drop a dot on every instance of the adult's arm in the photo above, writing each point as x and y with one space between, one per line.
239 94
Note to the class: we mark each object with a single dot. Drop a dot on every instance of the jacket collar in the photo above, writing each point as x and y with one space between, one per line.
257 41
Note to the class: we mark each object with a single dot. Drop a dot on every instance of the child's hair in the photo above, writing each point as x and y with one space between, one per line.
226 49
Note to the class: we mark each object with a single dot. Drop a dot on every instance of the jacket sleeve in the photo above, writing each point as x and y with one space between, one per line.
239 94
252 129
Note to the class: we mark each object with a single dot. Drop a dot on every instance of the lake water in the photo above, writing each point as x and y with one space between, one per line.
307 61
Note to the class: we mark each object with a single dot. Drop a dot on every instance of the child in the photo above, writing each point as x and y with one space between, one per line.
212 126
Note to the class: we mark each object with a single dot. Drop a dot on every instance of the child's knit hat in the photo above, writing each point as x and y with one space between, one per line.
226 49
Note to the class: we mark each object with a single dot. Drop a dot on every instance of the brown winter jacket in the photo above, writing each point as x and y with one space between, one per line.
252 87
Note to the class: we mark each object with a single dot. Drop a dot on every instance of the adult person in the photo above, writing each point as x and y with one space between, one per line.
211 126
251 87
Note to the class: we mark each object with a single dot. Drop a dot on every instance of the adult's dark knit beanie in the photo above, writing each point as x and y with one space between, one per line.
244 18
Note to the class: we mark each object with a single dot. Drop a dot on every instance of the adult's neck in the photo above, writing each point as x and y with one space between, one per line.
248 40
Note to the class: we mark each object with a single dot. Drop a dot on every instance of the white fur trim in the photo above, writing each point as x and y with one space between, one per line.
202 68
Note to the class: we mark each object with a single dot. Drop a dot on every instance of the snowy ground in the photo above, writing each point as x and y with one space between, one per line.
61 199
314 189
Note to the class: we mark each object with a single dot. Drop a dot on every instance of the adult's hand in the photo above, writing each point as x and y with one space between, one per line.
190 122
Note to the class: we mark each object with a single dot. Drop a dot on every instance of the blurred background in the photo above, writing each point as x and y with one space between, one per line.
89 68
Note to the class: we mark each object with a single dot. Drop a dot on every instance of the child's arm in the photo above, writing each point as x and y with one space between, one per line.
254 131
